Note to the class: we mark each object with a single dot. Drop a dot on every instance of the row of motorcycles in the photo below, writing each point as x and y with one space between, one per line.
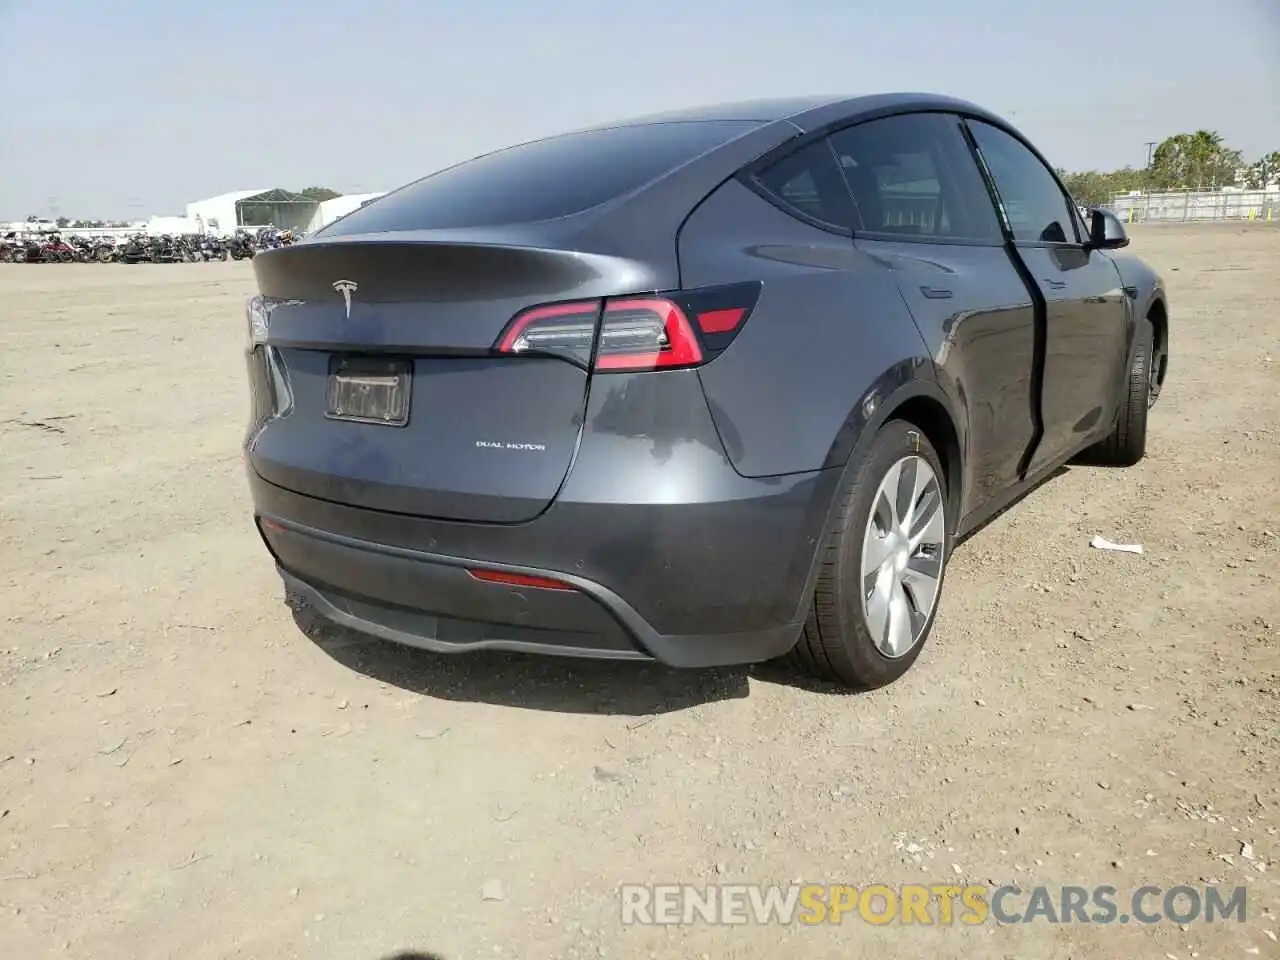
141 247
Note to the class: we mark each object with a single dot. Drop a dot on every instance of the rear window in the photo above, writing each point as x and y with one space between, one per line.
541 180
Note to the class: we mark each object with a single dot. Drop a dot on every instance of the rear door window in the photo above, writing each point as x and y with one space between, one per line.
912 177
542 180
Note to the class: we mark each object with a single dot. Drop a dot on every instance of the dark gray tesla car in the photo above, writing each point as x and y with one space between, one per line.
702 388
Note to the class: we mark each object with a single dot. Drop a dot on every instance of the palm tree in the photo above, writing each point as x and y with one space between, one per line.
1203 148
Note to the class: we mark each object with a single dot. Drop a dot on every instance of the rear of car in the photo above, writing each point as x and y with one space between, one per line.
478 419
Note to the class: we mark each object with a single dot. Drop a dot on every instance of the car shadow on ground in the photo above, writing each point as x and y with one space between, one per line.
559 684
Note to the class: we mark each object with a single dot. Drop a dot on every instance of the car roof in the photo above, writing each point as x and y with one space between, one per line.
810 112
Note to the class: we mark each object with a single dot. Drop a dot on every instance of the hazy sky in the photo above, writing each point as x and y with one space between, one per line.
134 107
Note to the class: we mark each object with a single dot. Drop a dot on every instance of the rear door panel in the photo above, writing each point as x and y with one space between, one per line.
978 321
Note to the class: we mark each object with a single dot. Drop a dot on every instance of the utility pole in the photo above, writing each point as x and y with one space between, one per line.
1151 147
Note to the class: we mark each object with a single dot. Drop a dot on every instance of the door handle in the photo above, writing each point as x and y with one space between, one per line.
936 293
1055 284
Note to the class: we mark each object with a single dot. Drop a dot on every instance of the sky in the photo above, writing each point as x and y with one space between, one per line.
135 107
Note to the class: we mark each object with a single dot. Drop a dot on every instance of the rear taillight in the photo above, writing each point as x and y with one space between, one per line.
658 332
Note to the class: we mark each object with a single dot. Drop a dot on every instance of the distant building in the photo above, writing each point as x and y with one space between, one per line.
32 225
253 209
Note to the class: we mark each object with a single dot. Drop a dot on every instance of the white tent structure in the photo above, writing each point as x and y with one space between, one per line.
217 215
251 209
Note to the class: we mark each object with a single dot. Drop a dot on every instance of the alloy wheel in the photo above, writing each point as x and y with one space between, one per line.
902 555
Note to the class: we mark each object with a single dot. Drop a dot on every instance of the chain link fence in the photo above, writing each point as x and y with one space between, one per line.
1205 205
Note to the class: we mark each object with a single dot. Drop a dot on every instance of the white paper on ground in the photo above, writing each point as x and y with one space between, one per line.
1102 543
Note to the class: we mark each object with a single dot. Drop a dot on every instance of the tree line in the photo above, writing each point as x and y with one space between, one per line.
1184 161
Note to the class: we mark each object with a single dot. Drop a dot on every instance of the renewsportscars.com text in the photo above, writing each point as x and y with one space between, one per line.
927 904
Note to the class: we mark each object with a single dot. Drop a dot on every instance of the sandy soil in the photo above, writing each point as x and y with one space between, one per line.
186 773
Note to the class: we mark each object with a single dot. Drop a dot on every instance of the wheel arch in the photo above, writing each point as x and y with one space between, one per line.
934 421
922 403
1158 314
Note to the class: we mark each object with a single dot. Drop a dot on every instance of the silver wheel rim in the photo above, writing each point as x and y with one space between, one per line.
902 555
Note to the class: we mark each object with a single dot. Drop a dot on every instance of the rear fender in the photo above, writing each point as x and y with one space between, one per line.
893 390
898 389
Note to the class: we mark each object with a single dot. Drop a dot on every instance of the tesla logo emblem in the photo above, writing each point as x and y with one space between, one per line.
346 288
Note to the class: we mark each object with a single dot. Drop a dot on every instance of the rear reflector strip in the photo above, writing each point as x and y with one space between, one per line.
519 580
720 321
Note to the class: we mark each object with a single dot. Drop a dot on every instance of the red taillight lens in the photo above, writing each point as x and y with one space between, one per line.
636 333
646 334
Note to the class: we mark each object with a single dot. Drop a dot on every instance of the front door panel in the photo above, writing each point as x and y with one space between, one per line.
1086 337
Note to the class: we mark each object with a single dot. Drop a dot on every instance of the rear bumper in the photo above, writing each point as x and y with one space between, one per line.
684 585
432 602
429 601
668 552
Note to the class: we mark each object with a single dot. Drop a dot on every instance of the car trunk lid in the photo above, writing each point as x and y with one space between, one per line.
395 398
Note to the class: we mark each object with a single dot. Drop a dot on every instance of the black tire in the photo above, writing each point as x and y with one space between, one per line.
1127 443
836 644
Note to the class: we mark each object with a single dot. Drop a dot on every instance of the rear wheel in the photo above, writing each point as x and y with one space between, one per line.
879 583
1127 443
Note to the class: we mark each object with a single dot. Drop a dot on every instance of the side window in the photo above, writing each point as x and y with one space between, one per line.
808 182
1033 204
913 176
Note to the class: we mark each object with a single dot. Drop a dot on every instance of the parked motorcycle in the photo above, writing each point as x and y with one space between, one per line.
165 249
95 250
136 249
30 247
241 246
50 249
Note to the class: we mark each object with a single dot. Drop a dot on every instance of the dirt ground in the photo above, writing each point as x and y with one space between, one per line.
184 772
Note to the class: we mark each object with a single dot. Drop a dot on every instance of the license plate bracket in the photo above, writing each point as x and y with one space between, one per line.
369 390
